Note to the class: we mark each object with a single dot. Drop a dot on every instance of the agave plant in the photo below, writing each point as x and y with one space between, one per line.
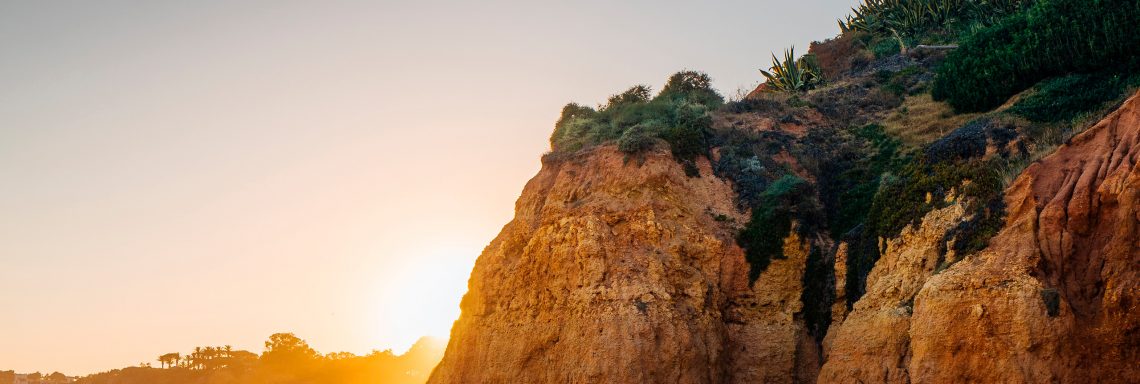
885 17
791 75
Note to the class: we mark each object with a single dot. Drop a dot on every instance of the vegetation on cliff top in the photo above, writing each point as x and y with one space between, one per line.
679 115
1050 38
851 176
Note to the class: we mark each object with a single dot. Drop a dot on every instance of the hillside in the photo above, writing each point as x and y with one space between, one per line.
945 192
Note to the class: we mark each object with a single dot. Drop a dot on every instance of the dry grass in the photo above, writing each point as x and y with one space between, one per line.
920 120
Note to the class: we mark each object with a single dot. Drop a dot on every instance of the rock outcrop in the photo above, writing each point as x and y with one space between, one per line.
1056 296
871 345
626 270
623 270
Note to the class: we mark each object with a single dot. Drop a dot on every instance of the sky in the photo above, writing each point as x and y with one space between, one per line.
177 174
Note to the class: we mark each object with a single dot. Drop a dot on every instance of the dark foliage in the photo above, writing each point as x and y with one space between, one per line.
694 87
636 140
746 158
755 105
851 177
788 198
818 292
1066 97
1051 38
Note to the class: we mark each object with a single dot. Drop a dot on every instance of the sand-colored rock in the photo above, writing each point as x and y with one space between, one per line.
1052 299
839 305
769 342
618 272
871 345
1072 235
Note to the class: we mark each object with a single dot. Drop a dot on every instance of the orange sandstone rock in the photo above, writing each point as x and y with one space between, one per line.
618 272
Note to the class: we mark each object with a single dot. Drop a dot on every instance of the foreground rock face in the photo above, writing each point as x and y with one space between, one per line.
1056 296
871 345
618 272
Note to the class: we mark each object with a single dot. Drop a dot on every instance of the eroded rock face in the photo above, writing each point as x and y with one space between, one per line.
1055 296
615 272
1052 299
871 345
618 272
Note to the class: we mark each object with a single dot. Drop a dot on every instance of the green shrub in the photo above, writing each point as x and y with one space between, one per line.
908 81
695 87
571 127
636 140
679 115
1052 37
755 105
886 48
1066 97
635 95
850 180
788 198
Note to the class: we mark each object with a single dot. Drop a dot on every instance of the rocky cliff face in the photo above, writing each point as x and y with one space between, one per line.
618 272
1052 299
625 270
872 344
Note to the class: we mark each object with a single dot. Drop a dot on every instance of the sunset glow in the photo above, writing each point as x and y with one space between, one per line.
177 174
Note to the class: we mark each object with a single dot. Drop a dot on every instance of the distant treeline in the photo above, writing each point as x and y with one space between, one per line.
8 377
286 359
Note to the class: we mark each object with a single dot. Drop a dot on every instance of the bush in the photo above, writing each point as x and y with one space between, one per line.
635 95
850 180
564 134
836 56
1064 98
755 105
636 140
1051 38
695 87
916 18
886 48
679 115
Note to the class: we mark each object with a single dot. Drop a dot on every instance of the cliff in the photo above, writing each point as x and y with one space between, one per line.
1052 299
619 272
625 269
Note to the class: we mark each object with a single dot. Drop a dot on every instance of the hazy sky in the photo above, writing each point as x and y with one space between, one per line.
184 173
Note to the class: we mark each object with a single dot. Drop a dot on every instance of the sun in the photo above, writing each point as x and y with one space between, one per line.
420 296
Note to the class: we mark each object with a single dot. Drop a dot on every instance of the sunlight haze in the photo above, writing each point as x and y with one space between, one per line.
212 172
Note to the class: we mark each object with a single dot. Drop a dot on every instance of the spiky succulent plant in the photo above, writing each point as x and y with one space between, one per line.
792 75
